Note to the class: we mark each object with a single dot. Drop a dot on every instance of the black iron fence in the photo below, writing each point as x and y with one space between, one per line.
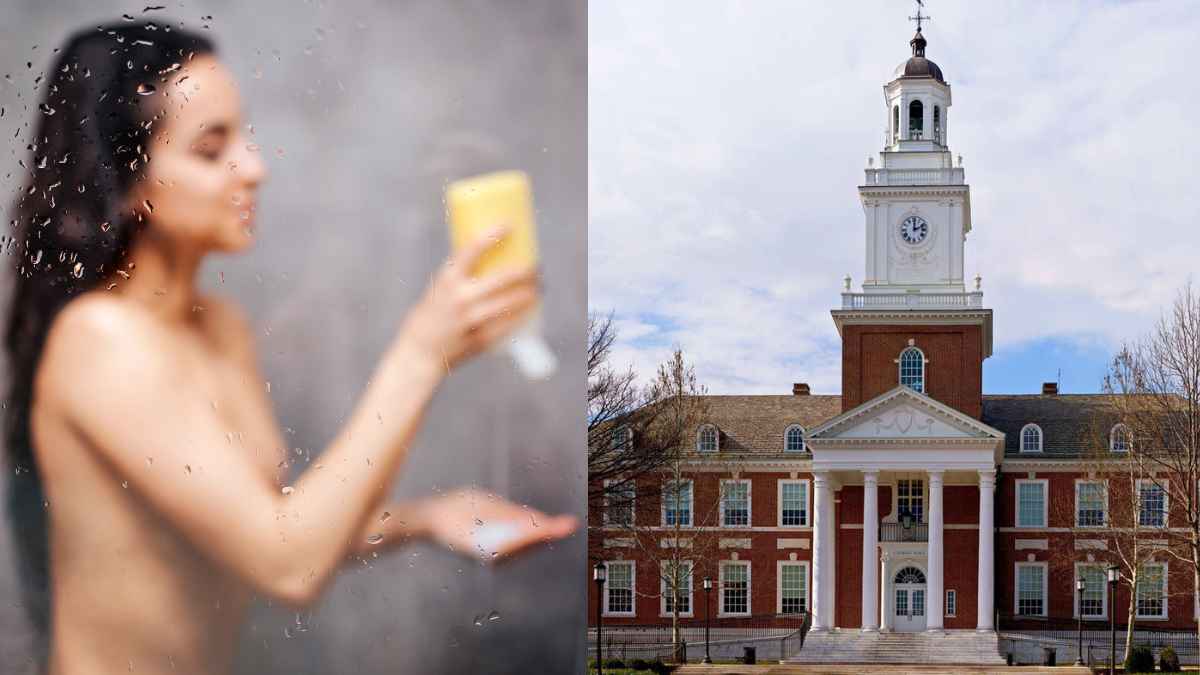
1092 639
772 636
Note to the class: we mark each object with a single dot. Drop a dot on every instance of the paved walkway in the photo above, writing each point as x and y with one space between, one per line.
777 669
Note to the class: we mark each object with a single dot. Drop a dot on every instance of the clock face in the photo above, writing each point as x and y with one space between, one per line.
914 229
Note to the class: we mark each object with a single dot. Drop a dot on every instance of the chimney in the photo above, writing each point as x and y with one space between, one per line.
800 389
1049 389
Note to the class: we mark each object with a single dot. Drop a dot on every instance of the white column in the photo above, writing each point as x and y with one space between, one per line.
885 613
987 561
934 587
870 566
822 524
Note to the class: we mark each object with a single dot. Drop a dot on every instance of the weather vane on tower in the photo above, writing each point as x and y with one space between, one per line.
919 17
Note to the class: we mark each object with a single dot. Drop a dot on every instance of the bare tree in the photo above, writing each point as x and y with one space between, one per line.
1156 387
633 433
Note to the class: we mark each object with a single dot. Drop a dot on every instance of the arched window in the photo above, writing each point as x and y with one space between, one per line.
1118 438
895 122
916 120
1031 438
909 575
912 369
937 124
706 440
793 439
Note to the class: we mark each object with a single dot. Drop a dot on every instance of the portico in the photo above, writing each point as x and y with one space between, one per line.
915 446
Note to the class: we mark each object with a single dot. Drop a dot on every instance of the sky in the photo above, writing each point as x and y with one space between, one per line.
726 142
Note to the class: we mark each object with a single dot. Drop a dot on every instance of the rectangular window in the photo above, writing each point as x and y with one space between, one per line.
1089 504
951 603
1031 589
793 587
677 582
1093 604
910 498
618 598
735 503
1031 503
677 503
793 503
619 502
1152 504
735 588
1152 591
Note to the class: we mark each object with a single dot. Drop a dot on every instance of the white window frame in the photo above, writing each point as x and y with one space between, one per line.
807 502
665 590
803 439
924 370
1112 438
1017 588
1045 483
779 565
626 443
1166 596
632 506
951 602
721 589
716 438
1075 521
1166 503
1041 438
1103 594
749 503
691 502
632 588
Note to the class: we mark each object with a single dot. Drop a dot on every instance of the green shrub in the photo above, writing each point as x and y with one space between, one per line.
660 668
618 663
1140 660
1168 660
639 664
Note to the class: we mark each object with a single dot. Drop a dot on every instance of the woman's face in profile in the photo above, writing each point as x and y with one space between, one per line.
204 171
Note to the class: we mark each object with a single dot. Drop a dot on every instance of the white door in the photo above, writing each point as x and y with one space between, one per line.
908 601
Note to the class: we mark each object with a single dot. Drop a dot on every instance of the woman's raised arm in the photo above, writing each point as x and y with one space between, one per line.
121 389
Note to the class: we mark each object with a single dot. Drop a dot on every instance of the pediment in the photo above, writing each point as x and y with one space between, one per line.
903 413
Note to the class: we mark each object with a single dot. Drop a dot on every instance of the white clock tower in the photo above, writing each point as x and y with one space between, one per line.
917 203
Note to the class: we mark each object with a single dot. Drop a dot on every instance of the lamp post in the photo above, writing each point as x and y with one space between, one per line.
599 573
1080 586
1113 575
707 617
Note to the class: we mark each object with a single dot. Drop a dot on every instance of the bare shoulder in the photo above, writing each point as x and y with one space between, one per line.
230 324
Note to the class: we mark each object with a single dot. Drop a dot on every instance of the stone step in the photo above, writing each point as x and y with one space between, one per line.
965 647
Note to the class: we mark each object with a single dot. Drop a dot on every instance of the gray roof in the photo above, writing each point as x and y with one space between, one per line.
1069 422
919 66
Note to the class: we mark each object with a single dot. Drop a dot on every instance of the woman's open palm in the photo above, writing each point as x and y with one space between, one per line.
490 527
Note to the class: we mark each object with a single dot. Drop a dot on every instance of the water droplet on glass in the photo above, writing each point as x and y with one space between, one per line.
187 467
479 620
125 484
45 108
145 89
478 521
148 205
384 517
127 18
77 272
494 616
288 489
374 539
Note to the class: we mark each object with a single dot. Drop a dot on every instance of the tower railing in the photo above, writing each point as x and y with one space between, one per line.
950 176
972 300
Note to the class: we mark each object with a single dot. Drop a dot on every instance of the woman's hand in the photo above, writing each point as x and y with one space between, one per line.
461 315
488 526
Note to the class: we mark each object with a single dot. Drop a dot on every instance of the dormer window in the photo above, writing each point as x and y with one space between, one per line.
916 120
912 369
707 438
793 439
621 439
1031 438
1118 438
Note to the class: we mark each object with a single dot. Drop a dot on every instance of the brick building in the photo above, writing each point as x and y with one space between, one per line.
958 488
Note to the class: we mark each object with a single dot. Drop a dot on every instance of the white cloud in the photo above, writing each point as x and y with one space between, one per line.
726 141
